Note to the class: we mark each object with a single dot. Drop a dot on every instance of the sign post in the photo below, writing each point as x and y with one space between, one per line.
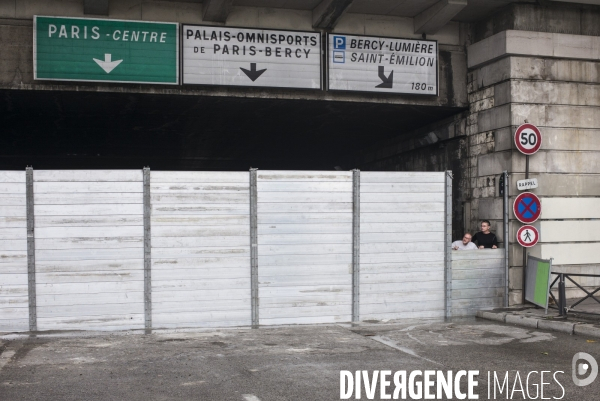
505 235
104 50
528 139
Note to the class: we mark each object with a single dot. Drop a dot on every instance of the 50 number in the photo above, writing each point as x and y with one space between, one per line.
528 139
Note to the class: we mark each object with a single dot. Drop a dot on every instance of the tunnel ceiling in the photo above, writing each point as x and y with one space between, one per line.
178 132
475 10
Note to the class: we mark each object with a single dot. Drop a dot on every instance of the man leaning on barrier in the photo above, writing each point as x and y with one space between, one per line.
485 238
465 244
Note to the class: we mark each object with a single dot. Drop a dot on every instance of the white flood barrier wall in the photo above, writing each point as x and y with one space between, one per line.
200 249
141 249
478 280
89 253
304 246
14 303
402 245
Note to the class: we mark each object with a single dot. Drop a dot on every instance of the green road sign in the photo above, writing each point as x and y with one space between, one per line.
81 49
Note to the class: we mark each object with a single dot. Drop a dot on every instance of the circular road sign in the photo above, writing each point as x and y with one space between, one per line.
528 236
528 139
527 207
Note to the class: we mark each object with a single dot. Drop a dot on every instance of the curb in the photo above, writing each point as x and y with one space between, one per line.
498 317
563 327
522 321
587 330
583 329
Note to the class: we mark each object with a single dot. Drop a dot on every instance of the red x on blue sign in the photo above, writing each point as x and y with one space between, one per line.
527 207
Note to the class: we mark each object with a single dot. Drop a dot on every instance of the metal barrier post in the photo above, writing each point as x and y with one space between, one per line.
562 297
355 245
147 252
448 245
254 248
31 284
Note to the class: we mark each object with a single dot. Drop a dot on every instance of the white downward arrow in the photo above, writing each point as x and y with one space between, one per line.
107 65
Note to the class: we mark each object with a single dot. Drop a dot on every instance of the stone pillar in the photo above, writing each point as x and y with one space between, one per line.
551 80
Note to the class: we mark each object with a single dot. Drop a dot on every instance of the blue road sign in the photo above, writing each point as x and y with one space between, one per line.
527 207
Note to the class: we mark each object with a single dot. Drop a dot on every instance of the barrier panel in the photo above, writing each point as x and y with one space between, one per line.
89 251
14 295
141 249
200 229
402 245
478 280
304 246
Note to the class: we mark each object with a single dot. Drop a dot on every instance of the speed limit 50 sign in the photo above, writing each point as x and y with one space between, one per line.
528 139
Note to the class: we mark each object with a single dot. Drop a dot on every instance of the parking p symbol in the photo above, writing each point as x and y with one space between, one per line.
339 42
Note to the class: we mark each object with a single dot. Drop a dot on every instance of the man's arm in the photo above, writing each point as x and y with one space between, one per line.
476 242
495 242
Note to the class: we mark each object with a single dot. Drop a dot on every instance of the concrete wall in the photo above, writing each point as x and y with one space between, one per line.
576 19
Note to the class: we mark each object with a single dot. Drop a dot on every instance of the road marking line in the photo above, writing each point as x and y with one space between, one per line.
392 344
250 397
5 357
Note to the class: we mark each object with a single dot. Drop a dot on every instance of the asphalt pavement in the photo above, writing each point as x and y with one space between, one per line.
292 362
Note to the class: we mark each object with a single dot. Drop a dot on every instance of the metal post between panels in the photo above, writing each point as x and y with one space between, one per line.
254 247
147 252
30 249
355 245
448 244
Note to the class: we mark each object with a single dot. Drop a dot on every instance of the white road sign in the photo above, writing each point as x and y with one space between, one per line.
383 65
530 183
251 57
528 236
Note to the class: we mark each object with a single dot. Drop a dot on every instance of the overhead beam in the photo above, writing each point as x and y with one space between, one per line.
216 10
437 16
95 7
593 2
327 14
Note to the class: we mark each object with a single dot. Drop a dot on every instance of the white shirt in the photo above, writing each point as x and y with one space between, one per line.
462 247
